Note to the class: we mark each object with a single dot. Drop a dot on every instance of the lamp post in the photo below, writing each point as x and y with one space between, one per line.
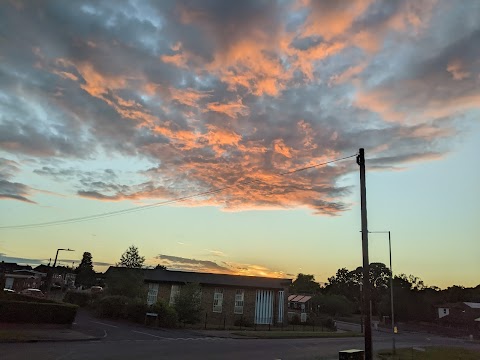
391 283
49 280
56 256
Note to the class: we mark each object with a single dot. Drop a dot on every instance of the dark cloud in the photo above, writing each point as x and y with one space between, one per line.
176 262
9 189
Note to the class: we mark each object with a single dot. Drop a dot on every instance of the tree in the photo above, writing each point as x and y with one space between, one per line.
85 273
131 258
160 267
127 283
188 303
304 284
332 304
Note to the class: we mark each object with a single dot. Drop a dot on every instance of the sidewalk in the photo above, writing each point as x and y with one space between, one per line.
26 334
228 334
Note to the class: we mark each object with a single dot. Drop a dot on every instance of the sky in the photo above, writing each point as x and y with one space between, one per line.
114 105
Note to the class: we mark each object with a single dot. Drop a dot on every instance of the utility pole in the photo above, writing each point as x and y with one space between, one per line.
366 263
391 293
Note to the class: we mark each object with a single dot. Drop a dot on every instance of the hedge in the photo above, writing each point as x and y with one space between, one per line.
27 298
36 312
80 298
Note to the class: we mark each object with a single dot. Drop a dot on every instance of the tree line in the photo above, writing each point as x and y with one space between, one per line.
413 299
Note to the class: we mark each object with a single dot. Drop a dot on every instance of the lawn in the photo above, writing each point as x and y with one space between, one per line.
295 334
430 353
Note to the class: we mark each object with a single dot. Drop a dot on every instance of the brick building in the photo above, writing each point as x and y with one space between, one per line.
225 298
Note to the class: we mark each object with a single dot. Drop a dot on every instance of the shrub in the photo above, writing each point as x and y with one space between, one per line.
242 322
136 311
295 320
112 306
329 324
26 298
188 304
79 298
167 316
36 312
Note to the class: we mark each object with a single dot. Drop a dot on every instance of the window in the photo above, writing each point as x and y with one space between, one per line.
218 300
174 293
239 296
152 293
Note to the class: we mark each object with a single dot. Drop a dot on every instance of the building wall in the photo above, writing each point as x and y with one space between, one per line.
443 312
227 315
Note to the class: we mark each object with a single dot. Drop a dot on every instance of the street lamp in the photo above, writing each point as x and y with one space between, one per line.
56 256
391 282
50 275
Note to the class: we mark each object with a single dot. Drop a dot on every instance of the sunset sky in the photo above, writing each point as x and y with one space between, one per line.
113 105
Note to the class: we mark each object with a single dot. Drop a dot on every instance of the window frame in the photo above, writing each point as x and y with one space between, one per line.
239 298
174 292
218 300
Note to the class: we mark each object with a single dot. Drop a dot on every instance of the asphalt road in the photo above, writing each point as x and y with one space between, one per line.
123 341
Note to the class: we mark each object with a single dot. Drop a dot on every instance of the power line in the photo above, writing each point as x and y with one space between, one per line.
162 203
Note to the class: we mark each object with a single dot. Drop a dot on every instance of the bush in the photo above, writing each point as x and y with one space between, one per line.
26 298
36 312
295 320
329 324
79 298
242 323
167 316
113 307
136 311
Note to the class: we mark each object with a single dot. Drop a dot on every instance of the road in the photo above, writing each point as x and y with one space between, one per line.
123 341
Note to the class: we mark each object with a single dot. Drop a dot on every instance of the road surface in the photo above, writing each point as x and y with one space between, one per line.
123 341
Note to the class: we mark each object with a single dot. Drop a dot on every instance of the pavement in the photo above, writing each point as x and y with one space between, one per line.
120 340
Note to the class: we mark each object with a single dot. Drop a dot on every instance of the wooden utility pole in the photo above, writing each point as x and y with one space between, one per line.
366 263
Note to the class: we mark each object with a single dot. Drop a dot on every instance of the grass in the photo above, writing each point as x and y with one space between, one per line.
430 353
295 334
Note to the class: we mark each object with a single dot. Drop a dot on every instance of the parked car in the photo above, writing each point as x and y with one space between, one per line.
33 292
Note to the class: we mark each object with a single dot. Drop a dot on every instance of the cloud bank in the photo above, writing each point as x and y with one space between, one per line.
213 94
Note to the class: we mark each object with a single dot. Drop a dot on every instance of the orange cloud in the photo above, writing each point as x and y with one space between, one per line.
231 109
330 19
457 69
189 96
280 148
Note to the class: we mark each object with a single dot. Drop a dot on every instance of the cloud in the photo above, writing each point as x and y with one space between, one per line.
35 262
9 189
216 253
228 95
186 264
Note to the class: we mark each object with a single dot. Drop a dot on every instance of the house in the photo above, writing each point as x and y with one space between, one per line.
460 314
19 280
61 275
299 305
225 298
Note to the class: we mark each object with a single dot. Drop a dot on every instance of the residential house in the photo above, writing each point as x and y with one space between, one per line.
225 298
19 280
460 314
299 305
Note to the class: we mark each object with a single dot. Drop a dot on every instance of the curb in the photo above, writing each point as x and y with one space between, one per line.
49 340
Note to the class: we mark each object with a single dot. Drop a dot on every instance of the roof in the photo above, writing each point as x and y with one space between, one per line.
299 298
158 275
472 305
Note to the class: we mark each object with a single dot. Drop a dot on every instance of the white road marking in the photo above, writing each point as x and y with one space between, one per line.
98 322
